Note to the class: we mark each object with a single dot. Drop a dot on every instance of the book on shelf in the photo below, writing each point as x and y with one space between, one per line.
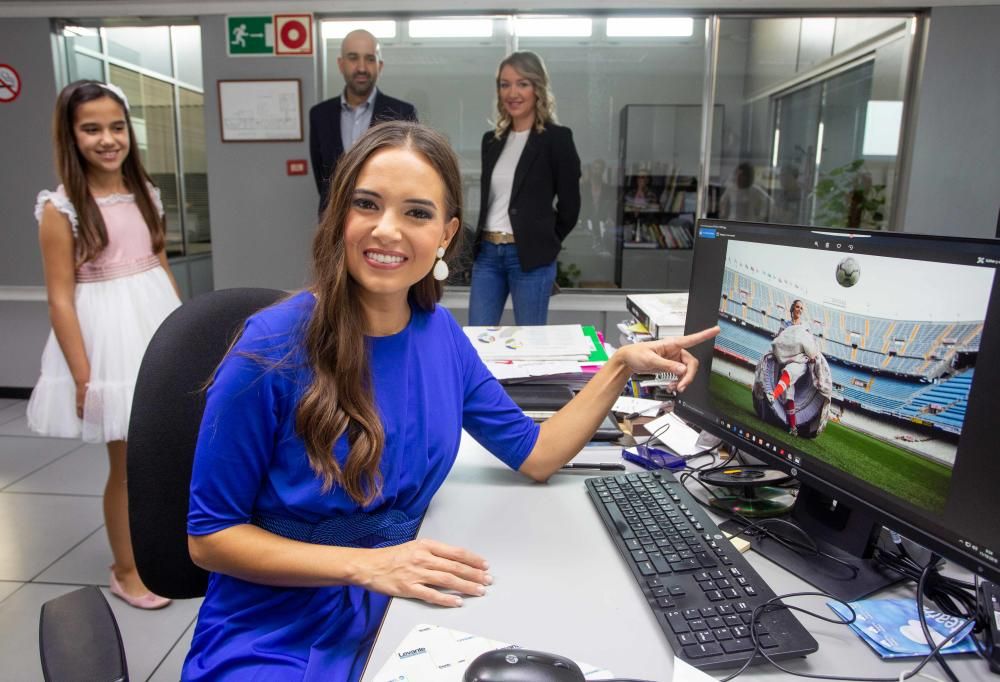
662 314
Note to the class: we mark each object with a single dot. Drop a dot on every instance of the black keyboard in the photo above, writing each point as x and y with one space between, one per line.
701 589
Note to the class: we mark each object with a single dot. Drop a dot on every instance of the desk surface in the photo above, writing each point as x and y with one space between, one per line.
561 586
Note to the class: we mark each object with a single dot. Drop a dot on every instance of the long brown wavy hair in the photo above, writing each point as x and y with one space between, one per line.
531 66
341 398
92 234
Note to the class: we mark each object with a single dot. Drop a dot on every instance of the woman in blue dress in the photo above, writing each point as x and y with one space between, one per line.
304 548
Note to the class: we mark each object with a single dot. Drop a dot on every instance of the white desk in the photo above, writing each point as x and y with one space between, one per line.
561 586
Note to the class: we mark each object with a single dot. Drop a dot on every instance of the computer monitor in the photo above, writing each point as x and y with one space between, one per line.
891 415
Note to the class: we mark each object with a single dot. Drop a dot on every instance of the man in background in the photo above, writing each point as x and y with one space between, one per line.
334 125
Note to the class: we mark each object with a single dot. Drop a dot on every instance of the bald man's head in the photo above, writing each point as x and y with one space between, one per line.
360 62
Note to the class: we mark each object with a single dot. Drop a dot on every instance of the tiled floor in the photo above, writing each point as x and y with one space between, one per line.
52 541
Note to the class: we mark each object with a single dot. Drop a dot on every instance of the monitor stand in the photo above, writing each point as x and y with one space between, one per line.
848 534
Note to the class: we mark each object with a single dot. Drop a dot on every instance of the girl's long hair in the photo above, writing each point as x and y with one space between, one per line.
92 234
531 66
341 397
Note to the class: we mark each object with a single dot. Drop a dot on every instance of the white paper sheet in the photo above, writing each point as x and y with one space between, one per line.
680 437
430 653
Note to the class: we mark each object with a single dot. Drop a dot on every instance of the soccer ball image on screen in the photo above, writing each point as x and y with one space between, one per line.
848 272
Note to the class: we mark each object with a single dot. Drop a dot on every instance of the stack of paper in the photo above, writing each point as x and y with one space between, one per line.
662 314
567 353
435 654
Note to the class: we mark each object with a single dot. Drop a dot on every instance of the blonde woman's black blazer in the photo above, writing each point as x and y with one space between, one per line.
549 168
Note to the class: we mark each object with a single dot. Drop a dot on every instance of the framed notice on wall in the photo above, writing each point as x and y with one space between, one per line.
260 110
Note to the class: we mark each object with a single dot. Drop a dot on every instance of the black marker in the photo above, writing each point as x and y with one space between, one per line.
604 466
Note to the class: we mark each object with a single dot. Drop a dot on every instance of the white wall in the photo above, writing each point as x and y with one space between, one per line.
955 177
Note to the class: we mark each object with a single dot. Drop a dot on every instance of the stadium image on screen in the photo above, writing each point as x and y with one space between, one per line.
864 362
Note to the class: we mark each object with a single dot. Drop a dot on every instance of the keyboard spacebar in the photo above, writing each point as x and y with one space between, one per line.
624 530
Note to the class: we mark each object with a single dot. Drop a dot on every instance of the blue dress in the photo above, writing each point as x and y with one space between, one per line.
429 385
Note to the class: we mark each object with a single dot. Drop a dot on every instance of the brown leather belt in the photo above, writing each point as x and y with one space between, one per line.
498 237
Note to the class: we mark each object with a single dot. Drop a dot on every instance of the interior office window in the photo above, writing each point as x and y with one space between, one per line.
186 44
152 112
817 105
159 68
195 171
145 46
631 91
448 74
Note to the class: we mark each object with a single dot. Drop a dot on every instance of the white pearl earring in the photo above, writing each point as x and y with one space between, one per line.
440 267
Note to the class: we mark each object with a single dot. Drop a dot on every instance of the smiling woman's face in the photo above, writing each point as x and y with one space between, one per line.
396 223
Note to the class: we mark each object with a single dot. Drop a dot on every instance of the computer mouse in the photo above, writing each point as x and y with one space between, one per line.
522 665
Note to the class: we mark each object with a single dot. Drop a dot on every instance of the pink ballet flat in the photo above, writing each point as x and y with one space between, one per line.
148 601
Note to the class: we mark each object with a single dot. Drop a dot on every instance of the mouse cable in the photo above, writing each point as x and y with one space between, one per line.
776 603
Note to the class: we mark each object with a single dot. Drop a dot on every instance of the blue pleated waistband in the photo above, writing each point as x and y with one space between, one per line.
382 529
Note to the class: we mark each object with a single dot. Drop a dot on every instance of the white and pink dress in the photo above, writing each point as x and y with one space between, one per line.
122 296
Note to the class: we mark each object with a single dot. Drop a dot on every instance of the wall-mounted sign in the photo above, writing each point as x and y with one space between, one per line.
250 36
282 35
293 35
10 84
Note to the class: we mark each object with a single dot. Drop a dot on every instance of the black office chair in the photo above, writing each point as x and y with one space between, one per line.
166 412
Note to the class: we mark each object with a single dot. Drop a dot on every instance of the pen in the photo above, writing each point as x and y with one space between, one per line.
603 466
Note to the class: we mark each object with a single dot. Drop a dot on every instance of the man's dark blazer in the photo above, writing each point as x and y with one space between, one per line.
325 144
549 168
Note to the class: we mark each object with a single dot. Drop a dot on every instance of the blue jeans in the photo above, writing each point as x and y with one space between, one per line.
497 272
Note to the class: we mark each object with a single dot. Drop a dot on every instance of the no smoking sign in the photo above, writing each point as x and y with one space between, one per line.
293 34
10 84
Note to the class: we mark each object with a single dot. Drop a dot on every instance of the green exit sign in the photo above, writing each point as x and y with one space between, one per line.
250 36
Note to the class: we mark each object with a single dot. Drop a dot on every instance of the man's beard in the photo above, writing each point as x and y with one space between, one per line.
359 90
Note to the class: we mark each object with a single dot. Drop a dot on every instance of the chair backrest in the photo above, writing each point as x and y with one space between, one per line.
167 407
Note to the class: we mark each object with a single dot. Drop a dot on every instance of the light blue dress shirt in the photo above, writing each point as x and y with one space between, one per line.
354 121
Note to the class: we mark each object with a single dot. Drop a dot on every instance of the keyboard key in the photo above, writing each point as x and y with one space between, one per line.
717 574
653 582
646 568
697 625
714 622
702 650
705 559
639 555
742 606
677 622
660 564
732 620
741 631
666 603
737 644
749 589
684 565
767 641
692 614
686 638
714 595
724 609
676 591
730 593
721 634
708 612
702 575
705 636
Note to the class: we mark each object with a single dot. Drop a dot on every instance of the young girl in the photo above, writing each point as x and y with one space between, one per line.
109 287
337 415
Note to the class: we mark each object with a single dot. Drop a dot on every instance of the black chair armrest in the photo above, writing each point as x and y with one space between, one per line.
79 639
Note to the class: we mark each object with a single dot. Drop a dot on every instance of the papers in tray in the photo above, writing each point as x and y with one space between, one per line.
435 654
567 353
892 629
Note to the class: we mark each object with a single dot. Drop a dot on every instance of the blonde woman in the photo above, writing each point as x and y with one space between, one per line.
530 189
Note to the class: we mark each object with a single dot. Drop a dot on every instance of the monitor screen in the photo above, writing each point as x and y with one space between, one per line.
866 364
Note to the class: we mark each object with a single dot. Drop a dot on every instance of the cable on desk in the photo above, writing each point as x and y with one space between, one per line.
777 603
758 526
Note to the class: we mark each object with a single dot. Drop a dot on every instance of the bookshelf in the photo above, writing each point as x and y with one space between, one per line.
659 151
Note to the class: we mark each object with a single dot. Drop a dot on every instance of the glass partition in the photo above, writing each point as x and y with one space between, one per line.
805 121
818 104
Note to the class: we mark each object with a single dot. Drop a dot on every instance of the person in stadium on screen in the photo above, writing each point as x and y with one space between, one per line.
793 348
